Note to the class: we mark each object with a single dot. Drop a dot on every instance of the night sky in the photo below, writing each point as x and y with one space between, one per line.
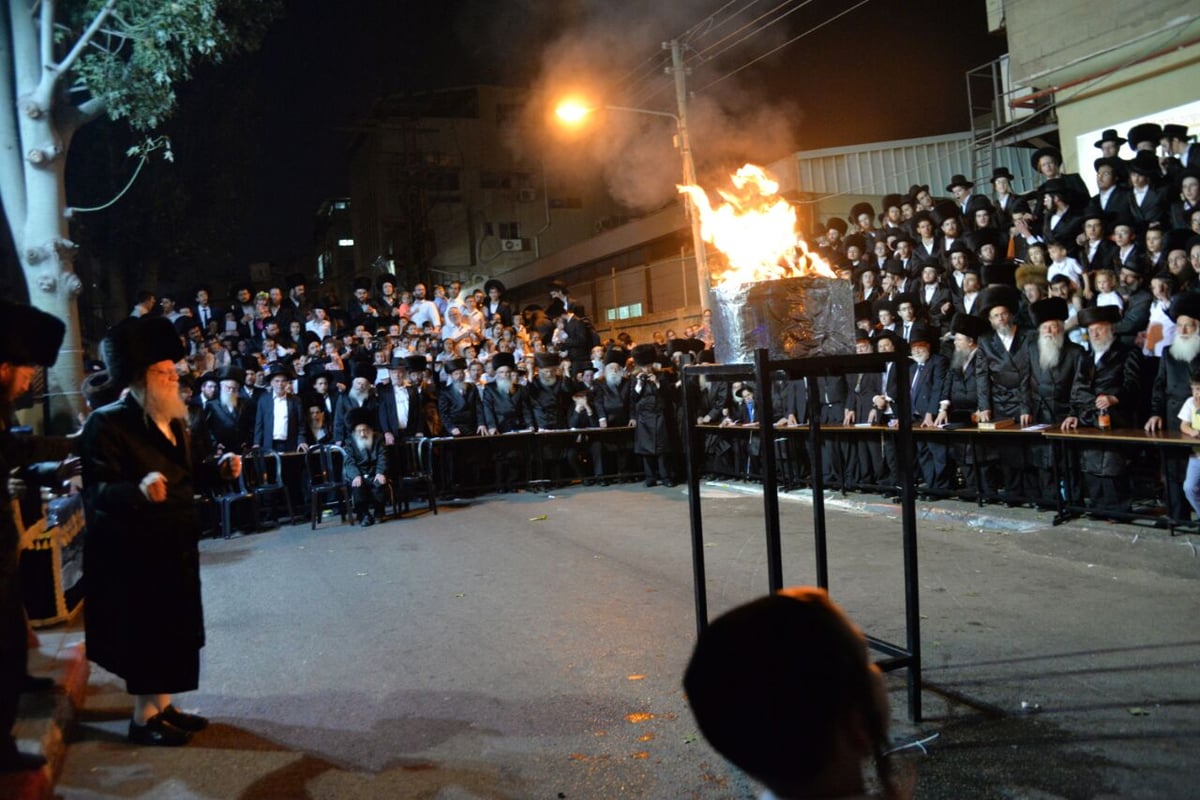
890 69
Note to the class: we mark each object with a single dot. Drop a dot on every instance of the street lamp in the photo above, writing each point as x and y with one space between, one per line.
573 112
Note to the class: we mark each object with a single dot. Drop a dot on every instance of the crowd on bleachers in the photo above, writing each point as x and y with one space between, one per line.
1048 308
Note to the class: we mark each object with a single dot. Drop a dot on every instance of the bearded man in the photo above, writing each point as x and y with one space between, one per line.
461 413
366 466
549 395
652 410
229 420
611 396
141 471
1106 385
360 395
1171 388
1052 371
962 397
506 410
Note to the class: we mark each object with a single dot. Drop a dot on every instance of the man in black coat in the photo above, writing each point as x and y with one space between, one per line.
549 391
1002 381
29 338
961 401
141 472
611 396
279 422
229 420
1104 394
460 411
927 387
1053 363
361 393
366 466
506 410
1147 201
1172 386
865 463
652 412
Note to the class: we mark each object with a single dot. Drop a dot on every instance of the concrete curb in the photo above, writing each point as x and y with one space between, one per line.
44 721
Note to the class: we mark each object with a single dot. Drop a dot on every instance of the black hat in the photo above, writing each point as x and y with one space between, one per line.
917 188
645 354
455 364
492 283
898 344
1144 162
1185 305
903 236
1109 135
279 368
183 324
135 343
944 210
503 360
961 246
968 325
362 369
836 223
910 298
999 295
1177 239
363 415
230 373
99 389
707 357
1094 314
861 208
855 240
921 334
559 285
978 238
1052 308
894 266
417 363
547 359
1053 152
959 180
1001 172
29 336
362 282
922 215
398 362
616 355
386 277
1119 167
237 287
679 346
1146 132
883 304
1000 273
929 262
1173 131
863 310
295 279
890 200
1137 265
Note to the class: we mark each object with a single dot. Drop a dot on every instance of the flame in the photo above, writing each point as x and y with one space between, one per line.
755 229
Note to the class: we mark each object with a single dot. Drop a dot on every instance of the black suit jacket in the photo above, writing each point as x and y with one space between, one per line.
1153 208
389 422
264 424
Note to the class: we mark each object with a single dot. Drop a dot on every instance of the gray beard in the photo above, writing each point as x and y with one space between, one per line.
1185 348
614 380
1099 351
364 442
1050 351
358 397
549 381
959 359
504 386
1005 332
164 405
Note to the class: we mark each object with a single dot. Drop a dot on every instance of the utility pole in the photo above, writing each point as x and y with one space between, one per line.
689 170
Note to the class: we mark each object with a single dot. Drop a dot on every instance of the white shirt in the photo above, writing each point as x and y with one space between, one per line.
1068 266
281 417
422 311
401 395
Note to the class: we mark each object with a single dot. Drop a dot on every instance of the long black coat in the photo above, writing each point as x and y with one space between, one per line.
1117 374
506 413
1172 386
231 430
461 411
1051 388
1002 376
653 409
612 404
141 563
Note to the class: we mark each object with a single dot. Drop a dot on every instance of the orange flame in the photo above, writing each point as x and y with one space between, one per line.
755 229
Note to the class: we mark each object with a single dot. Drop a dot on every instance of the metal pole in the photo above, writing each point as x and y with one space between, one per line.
817 481
689 172
766 428
691 453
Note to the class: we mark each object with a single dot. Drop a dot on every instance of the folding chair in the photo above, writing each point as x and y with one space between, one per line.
324 465
264 473
415 474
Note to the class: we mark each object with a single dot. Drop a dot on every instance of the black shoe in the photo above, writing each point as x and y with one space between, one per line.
32 685
13 760
668 483
368 520
651 482
157 732
605 482
184 721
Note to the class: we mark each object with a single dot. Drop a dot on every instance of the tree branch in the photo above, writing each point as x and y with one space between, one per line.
27 64
65 65
12 174
46 29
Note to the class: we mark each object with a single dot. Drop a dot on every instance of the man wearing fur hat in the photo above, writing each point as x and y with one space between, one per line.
366 466
1002 380
1053 363
362 309
1148 202
506 410
1105 393
1170 389
652 412
549 391
361 393
141 472
962 395
228 420
29 338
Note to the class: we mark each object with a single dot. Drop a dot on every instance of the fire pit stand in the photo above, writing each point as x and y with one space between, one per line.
907 656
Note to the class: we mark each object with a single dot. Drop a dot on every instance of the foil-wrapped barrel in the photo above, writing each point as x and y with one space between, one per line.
791 318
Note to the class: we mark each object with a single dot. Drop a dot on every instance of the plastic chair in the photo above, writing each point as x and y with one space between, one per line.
415 474
229 494
324 465
264 477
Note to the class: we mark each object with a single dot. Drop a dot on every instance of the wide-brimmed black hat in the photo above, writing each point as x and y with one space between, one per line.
231 373
503 360
1095 314
916 189
898 343
296 279
616 355
280 368
968 325
894 266
362 282
492 283
455 364
1145 132
417 363
1001 172
861 208
1185 305
135 343
883 304
1053 152
1173 131
1145 162
999 295
29 336
863 310
547 359
645 354
386 277
944 210
363 415
362 369
921 334
1052 308
978 238
855 240
1109 135
959 180
907 297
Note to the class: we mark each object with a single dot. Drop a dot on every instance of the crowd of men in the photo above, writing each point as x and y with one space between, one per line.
1050 308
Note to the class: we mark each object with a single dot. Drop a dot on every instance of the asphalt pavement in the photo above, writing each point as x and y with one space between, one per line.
531 646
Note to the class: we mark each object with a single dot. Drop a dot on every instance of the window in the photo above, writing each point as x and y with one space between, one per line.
508 230
625 312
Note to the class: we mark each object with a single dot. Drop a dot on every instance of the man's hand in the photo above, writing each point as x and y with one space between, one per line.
1105 401
230 466
491 431
154 487
983 415
69 468
388 439
380 479
927 422
1025 420
356 482
302 448
455 432
1154 424
1070 424
848 419
941 419
482 430
603 422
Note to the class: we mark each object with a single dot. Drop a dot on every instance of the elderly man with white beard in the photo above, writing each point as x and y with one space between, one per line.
229 420
141 472
461 414
506 410
360 394
366 466
611 396
962 395
550 393
1052 374
1002 381
1104 394
1171 388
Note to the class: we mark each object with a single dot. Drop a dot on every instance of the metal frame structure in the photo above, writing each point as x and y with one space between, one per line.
907 656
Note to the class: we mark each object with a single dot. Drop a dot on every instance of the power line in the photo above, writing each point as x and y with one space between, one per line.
751 34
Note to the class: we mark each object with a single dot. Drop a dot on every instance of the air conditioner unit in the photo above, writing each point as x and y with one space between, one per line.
512 245
526 195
